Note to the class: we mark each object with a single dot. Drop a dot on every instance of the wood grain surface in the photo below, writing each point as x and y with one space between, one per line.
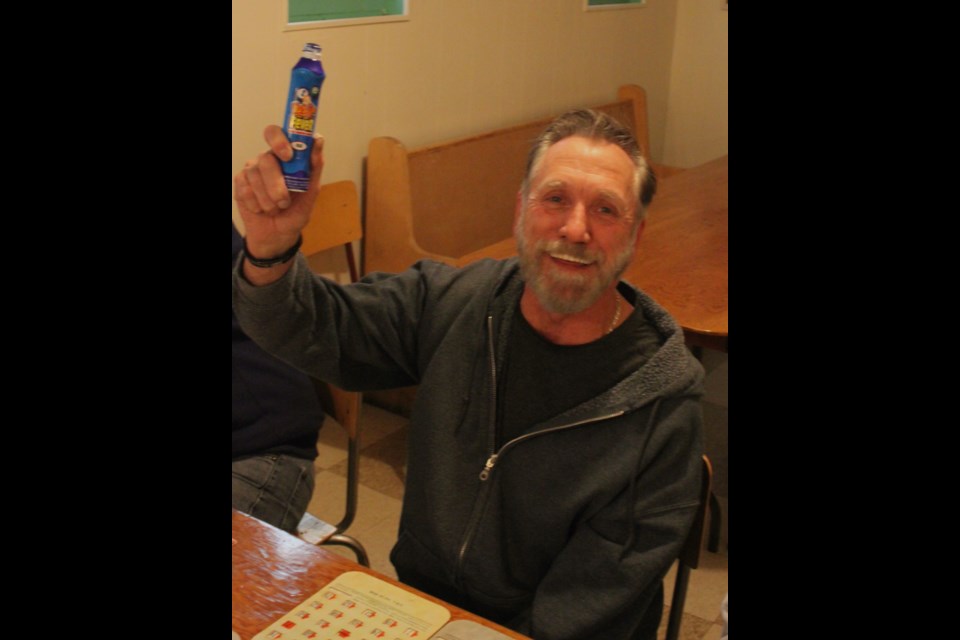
274 571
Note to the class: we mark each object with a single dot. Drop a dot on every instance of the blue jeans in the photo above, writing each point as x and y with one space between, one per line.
275 488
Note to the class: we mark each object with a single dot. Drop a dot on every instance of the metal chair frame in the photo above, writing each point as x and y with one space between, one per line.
335 220
690 554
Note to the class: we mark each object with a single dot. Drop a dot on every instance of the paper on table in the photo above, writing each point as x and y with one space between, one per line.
468 630
355 605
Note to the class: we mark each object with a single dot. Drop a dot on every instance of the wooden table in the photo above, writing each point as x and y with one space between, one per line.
274 571
682 259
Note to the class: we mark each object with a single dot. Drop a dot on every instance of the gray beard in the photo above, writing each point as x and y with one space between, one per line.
568 293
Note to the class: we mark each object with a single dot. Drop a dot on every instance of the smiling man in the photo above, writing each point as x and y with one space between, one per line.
555 441
587 220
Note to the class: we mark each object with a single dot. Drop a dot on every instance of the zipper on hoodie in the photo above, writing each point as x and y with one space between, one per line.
488 469
496 454
492 460
492 430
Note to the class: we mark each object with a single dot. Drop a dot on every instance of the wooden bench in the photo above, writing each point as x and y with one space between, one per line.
456 198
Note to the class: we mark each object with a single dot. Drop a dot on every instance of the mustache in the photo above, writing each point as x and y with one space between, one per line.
572 250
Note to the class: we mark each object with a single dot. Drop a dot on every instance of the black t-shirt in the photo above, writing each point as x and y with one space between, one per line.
542 379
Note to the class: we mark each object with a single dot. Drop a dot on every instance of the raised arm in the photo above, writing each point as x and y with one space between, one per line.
272 215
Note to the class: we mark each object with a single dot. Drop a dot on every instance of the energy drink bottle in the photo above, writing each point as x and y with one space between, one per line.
301 117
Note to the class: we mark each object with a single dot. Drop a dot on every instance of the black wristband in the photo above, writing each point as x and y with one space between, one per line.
265 263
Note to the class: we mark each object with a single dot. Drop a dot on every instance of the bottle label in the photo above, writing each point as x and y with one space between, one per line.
303 111
299 122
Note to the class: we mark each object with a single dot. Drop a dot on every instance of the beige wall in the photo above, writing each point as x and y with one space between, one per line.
459 67
456 67
696 125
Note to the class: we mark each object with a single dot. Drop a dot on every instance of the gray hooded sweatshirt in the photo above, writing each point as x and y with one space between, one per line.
563 533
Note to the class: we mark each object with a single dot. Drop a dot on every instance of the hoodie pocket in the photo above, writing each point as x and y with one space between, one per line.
412 556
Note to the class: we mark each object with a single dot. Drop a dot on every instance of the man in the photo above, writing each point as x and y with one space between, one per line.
555 444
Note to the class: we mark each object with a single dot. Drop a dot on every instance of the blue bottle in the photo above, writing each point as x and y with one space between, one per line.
301 116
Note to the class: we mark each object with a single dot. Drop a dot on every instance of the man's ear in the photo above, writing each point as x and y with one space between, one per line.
643 223
518 207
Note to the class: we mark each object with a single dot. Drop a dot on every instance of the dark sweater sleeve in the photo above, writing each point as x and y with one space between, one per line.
360 336
605 581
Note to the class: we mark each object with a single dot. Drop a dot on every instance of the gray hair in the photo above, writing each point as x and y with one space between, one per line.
596 125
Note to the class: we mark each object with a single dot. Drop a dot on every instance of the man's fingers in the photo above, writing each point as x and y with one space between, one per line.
260 187
243 192
278 143
255 180
274 184
316 154
316 161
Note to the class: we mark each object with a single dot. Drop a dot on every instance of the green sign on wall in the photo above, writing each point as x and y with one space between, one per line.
318 10
594 3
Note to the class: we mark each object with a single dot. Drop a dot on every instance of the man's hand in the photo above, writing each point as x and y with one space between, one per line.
273 216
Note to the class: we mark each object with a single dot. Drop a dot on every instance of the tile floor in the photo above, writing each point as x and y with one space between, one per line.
383 449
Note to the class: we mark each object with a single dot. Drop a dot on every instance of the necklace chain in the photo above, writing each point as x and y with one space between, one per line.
616 317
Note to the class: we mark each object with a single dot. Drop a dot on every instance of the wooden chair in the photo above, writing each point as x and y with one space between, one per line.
689 555
639 123
335 220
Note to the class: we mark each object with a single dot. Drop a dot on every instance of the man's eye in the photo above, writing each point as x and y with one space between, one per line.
554 202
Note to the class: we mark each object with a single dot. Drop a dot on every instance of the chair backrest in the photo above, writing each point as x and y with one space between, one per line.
342 406
335 219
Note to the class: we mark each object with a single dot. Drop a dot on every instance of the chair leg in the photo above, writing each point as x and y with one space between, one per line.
354 544
353 482
351 262
677 602
716 519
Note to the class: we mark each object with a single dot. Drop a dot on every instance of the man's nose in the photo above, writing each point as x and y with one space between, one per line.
576 227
